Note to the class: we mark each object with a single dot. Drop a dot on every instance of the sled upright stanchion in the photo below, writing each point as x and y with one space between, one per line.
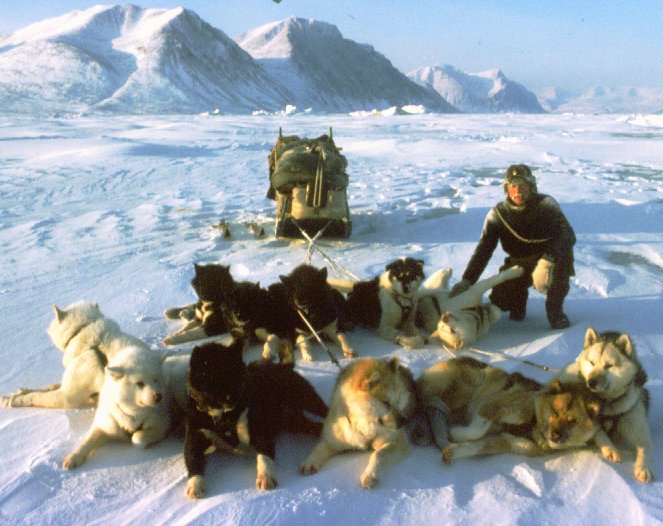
308 181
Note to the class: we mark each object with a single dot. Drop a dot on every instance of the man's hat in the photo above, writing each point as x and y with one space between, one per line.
519 173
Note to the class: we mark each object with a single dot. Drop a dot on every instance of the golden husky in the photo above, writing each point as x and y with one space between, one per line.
372 400
491 411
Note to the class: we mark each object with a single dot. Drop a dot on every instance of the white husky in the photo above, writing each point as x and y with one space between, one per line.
134 402
609 365
88 340
449 318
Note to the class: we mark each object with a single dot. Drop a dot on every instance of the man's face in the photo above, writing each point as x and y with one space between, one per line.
518 192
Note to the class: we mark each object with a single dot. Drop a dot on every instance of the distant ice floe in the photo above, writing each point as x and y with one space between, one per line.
290 109
648 121
408 109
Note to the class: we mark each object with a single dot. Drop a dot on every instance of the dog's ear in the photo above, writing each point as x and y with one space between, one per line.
115 372
392 265
445 316
393 364
370 381
323 273
554 387
285 280
623 342
420 262
196 267
59 314
591 337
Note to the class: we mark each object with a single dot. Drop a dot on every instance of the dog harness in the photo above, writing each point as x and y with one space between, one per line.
406 306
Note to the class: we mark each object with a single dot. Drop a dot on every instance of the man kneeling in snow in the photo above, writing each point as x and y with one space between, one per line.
536 235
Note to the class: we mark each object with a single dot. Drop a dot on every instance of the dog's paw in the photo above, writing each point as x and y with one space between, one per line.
306 355
642 474
265 481
73 460
410 342
196 487
143 439
6 401
447 455
610 454
309 467
368 479
349 353
516 271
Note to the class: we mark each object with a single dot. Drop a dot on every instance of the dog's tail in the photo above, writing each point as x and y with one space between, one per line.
342 285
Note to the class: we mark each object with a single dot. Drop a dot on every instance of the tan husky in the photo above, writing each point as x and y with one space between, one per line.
372 400
491 411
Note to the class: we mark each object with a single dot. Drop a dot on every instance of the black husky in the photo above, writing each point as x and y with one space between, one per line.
224 306
304 300
230 405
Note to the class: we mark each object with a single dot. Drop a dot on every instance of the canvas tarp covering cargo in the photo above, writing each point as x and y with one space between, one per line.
308 180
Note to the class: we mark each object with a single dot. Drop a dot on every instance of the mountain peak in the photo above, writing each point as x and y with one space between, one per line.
486 92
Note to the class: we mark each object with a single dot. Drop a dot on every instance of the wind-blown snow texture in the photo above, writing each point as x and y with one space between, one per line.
117 210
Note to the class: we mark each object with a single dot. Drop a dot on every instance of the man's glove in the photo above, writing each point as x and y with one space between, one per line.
460 287
543 275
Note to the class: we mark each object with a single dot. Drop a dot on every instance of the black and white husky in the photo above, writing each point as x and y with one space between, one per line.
387 303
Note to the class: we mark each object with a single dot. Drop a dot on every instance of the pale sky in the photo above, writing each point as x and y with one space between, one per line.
573 44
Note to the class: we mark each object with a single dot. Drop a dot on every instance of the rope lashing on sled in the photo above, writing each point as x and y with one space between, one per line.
338 268
318 185
504 356
317 337
516 234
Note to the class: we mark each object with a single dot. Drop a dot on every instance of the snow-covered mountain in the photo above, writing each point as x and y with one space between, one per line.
330 73
131 60
603 100
127 59
486 92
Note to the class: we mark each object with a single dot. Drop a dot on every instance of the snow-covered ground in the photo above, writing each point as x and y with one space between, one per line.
116 210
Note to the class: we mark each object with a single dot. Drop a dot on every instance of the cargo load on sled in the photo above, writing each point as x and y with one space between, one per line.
308 181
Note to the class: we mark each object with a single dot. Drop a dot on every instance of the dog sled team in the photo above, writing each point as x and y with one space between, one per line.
461 405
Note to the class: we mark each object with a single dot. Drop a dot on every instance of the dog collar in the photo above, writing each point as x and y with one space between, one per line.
624 403
76 333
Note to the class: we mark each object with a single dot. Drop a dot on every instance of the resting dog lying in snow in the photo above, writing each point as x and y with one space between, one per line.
387 303
609 366
135 402
485 410
372 401
88 340
461 320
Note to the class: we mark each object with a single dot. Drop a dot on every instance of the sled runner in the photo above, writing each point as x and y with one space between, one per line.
308 181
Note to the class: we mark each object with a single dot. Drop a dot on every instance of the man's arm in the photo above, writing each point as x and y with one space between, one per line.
484 249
